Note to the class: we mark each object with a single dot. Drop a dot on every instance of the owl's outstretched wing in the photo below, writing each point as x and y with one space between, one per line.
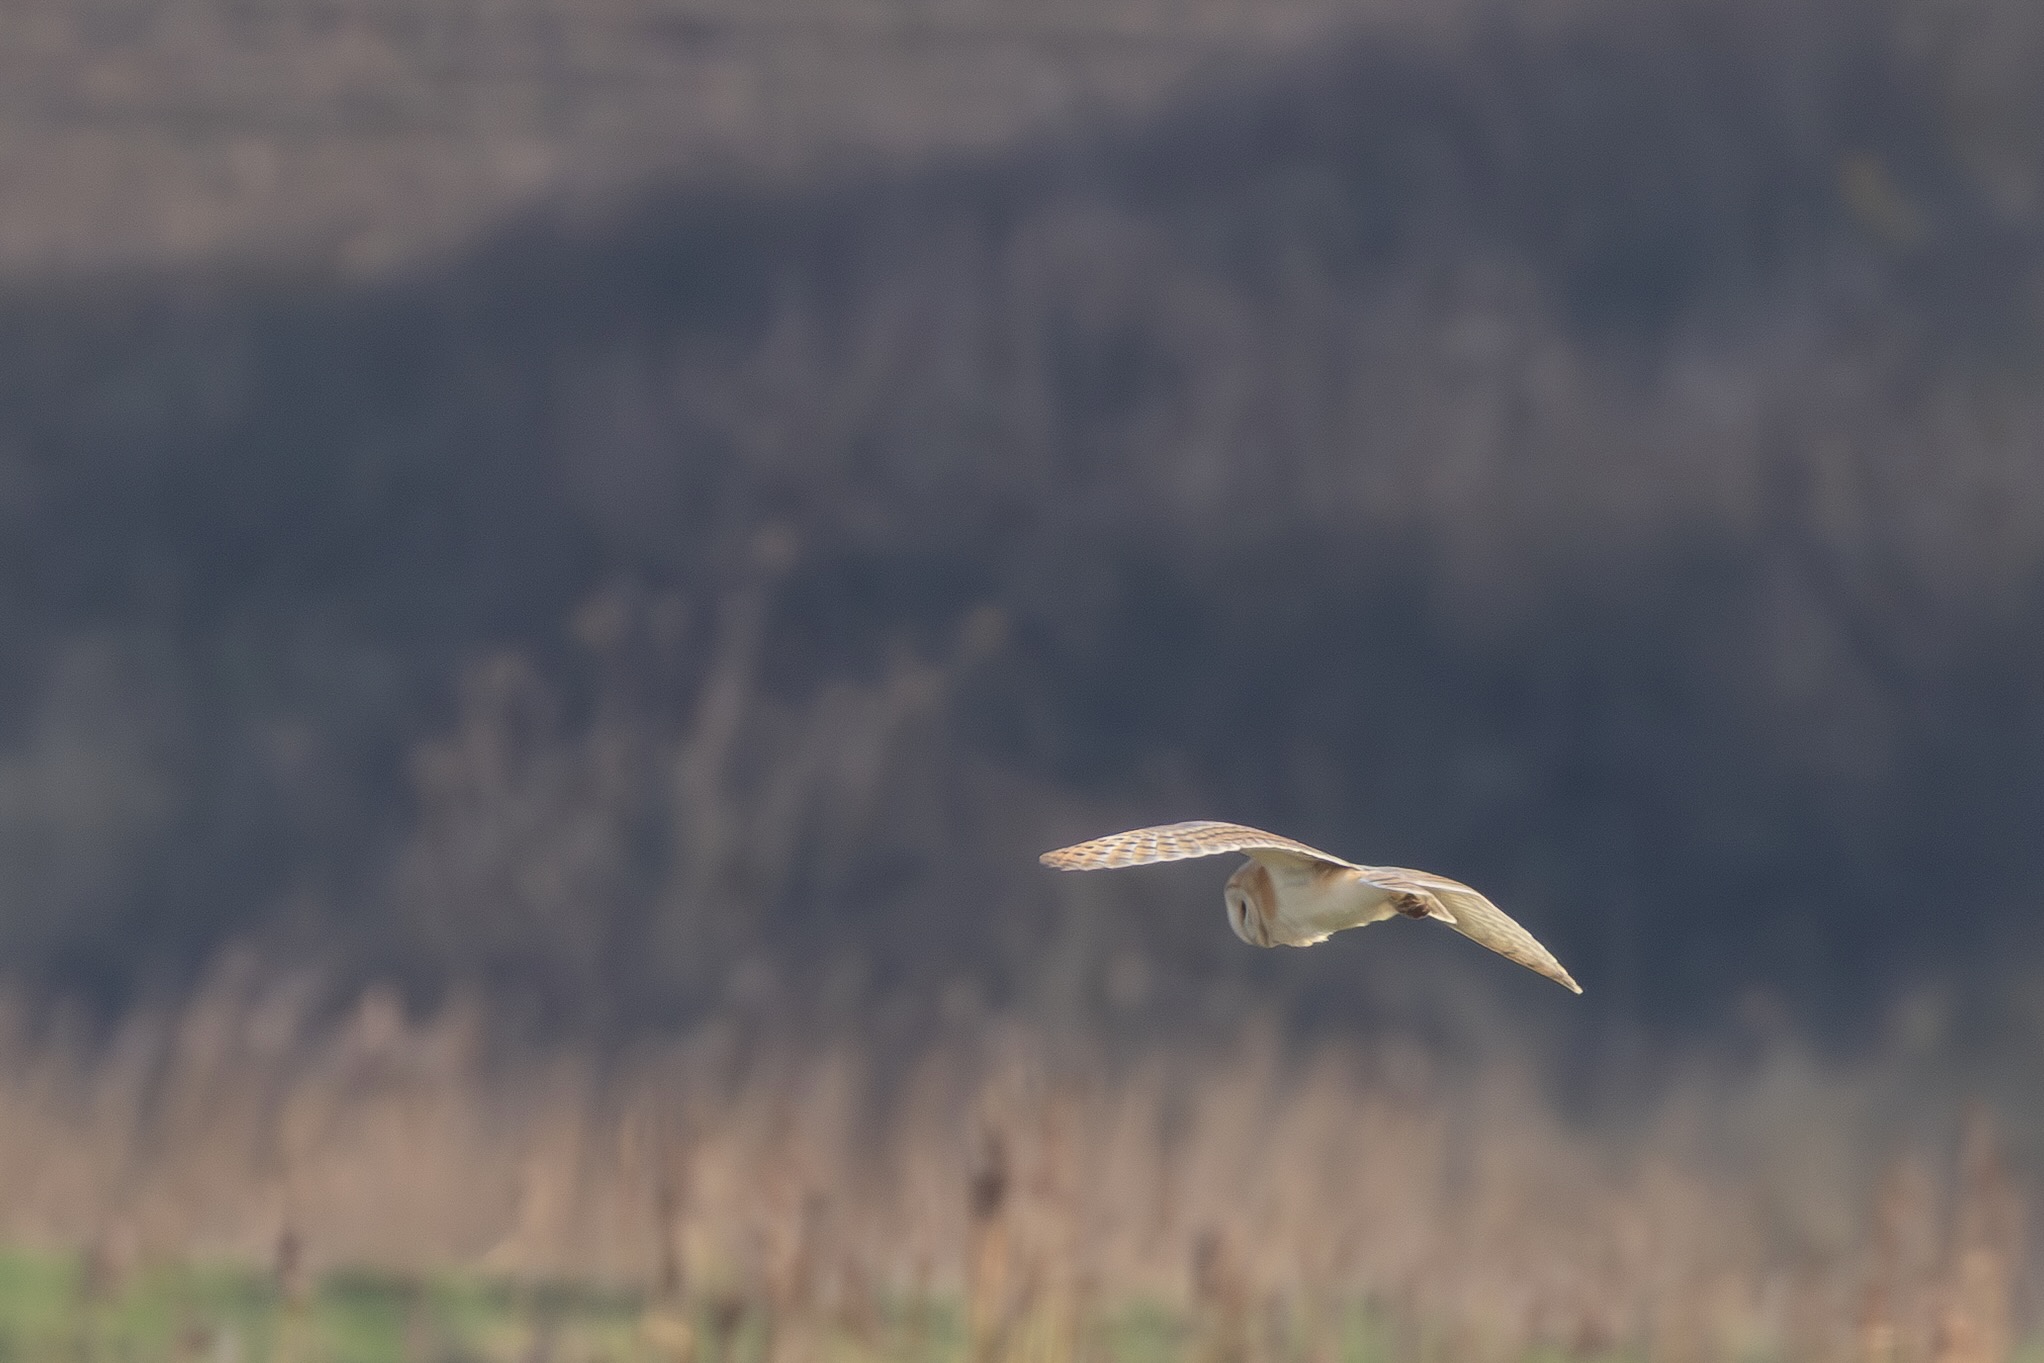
1178 841
1475 918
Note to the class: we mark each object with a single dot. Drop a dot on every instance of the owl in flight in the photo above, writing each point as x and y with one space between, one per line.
1288 893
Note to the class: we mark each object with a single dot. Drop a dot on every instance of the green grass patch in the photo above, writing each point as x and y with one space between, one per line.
52 1312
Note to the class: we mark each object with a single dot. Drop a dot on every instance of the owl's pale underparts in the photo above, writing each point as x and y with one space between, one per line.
1289 894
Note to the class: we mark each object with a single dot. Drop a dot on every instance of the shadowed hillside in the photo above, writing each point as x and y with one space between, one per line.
354 136
1598 462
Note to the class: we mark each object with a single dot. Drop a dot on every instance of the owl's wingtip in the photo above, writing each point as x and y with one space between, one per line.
1567 981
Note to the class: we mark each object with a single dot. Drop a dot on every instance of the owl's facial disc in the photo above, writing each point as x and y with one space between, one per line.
1242 911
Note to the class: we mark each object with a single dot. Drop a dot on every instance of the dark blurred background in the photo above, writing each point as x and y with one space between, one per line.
645 507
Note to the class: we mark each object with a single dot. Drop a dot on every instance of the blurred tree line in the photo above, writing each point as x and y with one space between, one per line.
1598 459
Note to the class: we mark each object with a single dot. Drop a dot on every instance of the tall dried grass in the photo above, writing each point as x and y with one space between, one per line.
822 1196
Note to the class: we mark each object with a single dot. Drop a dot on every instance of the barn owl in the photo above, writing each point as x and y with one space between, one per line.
1293 895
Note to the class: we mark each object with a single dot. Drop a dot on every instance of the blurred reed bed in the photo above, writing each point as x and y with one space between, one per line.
997 1193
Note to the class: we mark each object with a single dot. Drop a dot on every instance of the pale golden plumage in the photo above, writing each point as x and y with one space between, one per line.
1290 894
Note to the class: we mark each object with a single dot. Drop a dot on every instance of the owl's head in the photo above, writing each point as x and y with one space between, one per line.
1251 901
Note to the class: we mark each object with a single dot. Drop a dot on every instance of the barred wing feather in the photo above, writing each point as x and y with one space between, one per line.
1177 842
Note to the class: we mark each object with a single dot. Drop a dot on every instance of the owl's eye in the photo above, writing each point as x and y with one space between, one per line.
1238 912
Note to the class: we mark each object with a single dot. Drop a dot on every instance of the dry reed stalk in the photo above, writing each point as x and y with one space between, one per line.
987 1288
665 1326
1054 1327
1975 1317
1894 1314
1221 1300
